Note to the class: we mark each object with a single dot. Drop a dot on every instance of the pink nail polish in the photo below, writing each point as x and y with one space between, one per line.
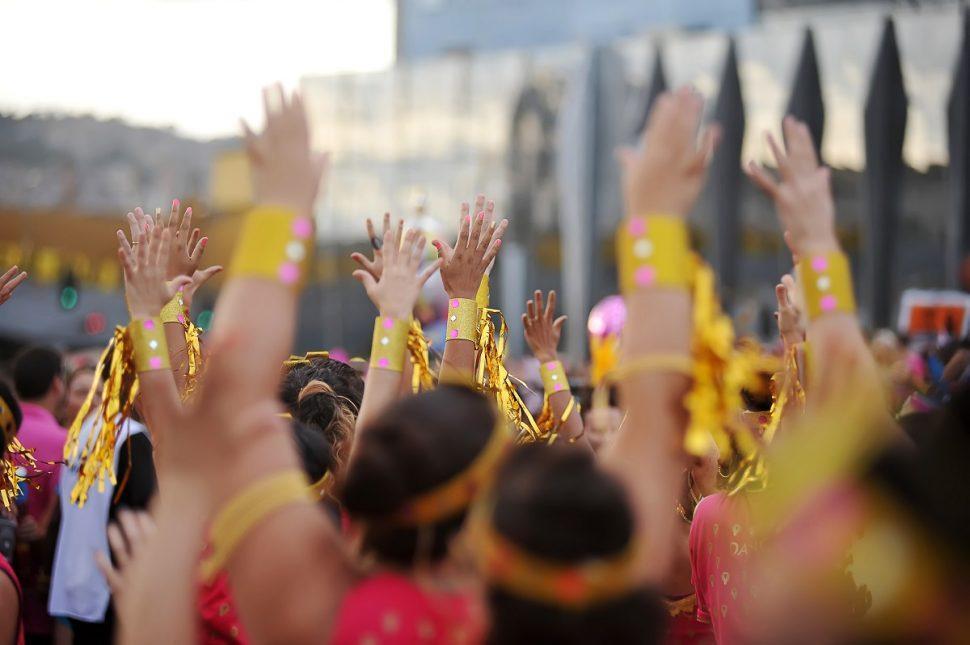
205 241
175 204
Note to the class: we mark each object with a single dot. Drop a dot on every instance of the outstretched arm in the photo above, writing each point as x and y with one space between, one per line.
661 182
462 270
542 333
394 294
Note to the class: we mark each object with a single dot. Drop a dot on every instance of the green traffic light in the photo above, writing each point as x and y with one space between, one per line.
68 298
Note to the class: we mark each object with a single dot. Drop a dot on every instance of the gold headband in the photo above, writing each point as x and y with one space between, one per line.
294 360
570 586
458 493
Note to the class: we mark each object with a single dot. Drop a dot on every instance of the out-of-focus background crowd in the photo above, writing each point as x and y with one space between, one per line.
525 100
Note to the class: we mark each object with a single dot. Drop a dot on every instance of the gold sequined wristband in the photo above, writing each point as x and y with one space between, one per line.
174 310
389 346
148 344
274 243
462 320
826 282
553 377
653 251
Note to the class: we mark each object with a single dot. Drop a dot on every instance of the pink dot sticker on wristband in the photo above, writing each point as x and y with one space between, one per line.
155 362
644 276
454 303
637 226
181 318
827 303
820 263
302 227
388 323
149 325
289 273
557 387
383 362
552 365
454 333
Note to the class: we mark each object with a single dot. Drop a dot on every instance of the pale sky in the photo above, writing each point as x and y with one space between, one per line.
197 65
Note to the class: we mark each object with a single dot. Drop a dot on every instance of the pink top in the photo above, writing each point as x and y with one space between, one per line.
41 433
390 609
721 545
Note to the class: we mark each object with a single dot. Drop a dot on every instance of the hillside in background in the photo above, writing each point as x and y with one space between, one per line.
90 165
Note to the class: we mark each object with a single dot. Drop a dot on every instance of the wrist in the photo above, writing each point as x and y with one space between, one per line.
464 294
546 356
398 313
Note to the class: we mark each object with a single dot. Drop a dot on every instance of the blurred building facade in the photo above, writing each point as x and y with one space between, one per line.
881 85
527 106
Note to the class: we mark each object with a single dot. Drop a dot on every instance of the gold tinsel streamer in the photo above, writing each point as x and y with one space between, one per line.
9 477
422 378
492 376
95 460
193 350
789 391
549 424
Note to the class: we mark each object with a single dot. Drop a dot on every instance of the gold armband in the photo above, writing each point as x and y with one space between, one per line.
148 344
653 251
174 310
274 243
553 377
462 320
249 508
390 343
826 282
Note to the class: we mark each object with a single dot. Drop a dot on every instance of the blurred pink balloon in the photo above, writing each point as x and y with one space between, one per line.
607 317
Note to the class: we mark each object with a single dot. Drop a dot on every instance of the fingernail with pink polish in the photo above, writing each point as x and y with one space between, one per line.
175 204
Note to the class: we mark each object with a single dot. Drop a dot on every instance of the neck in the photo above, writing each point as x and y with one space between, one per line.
47 402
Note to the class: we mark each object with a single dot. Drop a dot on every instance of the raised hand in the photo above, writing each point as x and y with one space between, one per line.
665 174
127 537
188 244
803 192
285 171
542 331
10 281
146 287
376 265
789 315
399 286
464 265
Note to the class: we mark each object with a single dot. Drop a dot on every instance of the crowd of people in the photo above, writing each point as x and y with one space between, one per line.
695 488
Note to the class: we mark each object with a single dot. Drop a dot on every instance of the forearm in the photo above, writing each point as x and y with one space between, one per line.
381 391
458 361
170 562
572 427
260 342
647 452
177 353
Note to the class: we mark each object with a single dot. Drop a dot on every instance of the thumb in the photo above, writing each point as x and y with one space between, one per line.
177 284
365 279
361 260
781 295
203 276
443 248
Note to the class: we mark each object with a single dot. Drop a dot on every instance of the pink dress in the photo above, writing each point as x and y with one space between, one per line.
721 545
390 609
